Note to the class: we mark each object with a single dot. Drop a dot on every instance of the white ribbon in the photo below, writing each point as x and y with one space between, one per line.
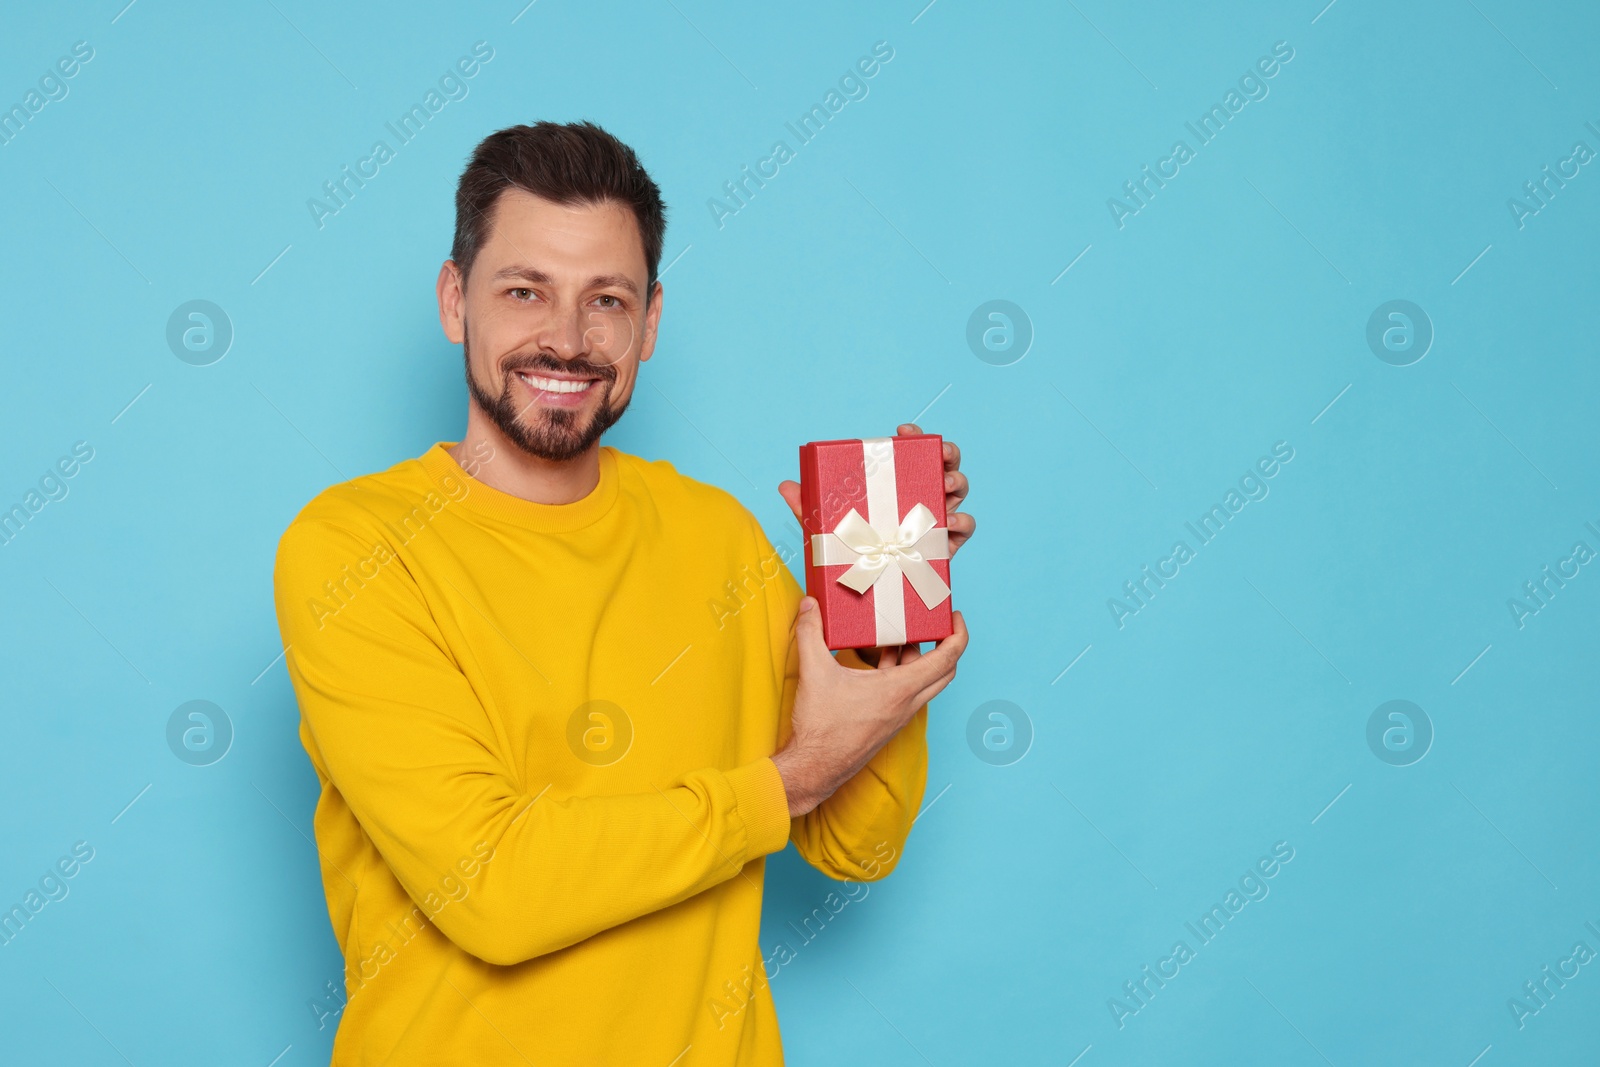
884 546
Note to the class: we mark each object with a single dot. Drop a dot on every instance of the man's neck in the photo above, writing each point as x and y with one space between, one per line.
493 459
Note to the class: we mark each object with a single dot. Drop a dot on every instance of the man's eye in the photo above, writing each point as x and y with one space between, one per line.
615 303
521 294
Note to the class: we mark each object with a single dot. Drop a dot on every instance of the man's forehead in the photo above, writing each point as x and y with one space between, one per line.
523 224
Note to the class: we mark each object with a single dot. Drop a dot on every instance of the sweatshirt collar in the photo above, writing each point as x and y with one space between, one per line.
484 499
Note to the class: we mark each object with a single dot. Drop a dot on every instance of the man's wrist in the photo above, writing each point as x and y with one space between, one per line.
798 780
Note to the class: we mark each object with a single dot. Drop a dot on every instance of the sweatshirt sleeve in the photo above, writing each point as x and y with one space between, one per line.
409 747
858 833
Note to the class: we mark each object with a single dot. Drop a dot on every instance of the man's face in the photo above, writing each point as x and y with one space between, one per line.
552 321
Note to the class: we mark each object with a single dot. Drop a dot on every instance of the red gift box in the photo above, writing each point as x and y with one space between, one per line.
877 554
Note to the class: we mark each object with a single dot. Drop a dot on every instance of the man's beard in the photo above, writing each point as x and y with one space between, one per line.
555 433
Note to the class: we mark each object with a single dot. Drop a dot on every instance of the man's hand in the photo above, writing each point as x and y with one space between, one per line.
961 525
843 716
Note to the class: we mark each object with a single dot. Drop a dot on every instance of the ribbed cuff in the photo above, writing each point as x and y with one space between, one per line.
762 804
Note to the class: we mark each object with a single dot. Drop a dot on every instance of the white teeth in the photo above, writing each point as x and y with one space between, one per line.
555 385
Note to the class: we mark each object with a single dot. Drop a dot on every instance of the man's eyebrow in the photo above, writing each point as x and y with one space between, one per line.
620 281
527 274
539 277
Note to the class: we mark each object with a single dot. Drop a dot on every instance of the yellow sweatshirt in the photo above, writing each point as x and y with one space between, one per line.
542 733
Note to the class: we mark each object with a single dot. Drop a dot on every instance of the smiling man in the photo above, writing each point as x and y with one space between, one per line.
549 780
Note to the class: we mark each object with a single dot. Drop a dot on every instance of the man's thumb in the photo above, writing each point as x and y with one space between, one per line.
808 628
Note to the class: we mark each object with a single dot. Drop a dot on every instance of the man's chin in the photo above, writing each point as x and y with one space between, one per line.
558 436
555 445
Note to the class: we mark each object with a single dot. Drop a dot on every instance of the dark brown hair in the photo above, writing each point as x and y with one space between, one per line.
575 163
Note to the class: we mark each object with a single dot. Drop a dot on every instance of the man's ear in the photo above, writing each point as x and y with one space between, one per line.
452 300
652 319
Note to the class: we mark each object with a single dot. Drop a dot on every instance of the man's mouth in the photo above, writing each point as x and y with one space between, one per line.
558 390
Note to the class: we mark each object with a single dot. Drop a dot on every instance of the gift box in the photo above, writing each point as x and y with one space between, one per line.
876 544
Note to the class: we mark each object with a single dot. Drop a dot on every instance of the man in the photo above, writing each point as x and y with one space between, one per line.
550 775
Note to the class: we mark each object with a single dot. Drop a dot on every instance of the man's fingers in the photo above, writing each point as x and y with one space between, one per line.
790 491
942 659
961 526
888 656
926 673
955 489
814 654
933 688
952 456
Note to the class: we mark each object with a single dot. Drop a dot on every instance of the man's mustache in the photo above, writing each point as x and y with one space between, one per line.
555 368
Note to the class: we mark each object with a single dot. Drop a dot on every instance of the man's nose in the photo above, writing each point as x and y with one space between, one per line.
568 334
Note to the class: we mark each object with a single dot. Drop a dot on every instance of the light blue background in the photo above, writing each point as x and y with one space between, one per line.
1222 318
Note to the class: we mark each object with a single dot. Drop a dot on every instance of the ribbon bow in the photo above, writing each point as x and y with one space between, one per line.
900 551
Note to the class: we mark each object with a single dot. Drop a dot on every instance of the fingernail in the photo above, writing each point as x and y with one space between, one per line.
807 603
949 481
